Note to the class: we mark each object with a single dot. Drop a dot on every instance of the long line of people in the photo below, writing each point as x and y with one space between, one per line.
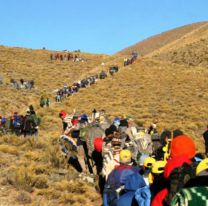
67 91
27 125
135 166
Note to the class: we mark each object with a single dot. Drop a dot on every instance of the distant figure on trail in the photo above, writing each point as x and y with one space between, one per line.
31 122
44 102
205 136
1 80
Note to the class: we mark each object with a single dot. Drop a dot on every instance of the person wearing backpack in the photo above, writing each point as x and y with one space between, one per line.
178 170
122 182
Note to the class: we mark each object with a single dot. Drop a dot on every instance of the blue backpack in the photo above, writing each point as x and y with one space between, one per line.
17 121
3 120
126 195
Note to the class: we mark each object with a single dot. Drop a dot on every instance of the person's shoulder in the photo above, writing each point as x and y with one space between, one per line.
205 133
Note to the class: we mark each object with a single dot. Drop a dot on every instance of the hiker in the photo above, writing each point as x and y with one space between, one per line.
177 132
178 170
42 102
159 146
17 124
201 178
69 122
3 121
156 179
152 129
14 84
69 148
205 136
31 122
122 182
48 102
1 80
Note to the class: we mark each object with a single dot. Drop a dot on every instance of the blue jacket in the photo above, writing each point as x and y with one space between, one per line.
126 176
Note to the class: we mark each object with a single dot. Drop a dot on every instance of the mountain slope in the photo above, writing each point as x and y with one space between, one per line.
155 42
48 75
152 88
190 50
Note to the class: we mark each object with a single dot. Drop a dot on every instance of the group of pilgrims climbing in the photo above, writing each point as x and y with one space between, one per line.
22 84
131 59
65 57
21 124
69 90
135 165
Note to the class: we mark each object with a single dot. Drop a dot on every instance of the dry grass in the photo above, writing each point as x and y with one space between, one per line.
149 89
9 149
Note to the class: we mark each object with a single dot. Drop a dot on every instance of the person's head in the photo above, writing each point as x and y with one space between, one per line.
182 145
165 136
62 114
177 132
28 112
98 142
125 156
116 121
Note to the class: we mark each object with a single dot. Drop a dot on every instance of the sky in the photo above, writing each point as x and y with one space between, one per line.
94 26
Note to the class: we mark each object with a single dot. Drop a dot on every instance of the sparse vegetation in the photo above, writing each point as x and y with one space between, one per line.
170 85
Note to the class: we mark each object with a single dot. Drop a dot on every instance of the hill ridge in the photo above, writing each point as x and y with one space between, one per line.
152 43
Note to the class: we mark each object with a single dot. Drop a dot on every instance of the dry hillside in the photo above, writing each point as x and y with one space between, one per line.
191 49
153 88
153 43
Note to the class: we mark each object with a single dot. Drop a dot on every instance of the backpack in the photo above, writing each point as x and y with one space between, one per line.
17 122
191 197
36 120
178 178
3 120
125 193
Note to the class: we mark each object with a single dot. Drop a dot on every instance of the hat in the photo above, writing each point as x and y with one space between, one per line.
116 121
62 114
98 143
75 121
125 156
202 166
158 167
182 145
149 161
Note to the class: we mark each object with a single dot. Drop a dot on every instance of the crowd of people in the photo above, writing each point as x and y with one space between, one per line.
131 59
26 125
67 91
22 84
65 57
135 165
